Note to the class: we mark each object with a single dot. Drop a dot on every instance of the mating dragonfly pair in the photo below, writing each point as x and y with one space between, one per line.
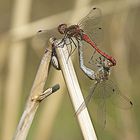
85 33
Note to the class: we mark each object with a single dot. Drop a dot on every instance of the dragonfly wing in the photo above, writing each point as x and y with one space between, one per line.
90 56
117 98
102 91
92 26
101 113
42 37
87 99
94 14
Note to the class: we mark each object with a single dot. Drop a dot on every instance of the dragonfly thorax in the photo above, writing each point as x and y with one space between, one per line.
102 74
74 31
103 71
71 31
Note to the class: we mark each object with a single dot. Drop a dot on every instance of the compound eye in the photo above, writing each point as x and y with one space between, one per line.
62 28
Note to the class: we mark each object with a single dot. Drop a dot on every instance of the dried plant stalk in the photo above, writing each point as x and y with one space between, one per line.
75 92
35 97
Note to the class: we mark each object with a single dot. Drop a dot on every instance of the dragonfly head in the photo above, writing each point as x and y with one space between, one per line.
62 28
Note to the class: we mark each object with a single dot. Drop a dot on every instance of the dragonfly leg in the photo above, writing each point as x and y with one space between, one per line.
91 59
87 99
69 51
90 73
74 46
71 47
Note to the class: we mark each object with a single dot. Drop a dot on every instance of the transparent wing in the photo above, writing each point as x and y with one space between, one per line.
92 26
99 94
42 37
90 56
101 104
102 91
93 15
87 99
101 113
108 90
117 98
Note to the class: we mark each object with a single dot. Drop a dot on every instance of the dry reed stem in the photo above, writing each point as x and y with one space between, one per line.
75 93
35 97
51 107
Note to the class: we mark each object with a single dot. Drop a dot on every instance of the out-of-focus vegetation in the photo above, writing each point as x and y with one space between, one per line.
20 57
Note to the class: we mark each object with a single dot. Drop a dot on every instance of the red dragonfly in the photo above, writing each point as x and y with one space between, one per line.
86 31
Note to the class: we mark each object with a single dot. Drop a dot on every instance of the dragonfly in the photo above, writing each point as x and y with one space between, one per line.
86 32
104 89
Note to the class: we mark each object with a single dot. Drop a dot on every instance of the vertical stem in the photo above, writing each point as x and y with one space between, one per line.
35 94
75 93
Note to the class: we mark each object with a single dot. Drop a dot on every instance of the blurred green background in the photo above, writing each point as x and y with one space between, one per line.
20 57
